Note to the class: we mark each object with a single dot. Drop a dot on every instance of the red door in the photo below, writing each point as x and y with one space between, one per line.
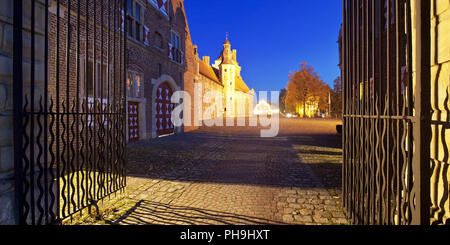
164 110
133 121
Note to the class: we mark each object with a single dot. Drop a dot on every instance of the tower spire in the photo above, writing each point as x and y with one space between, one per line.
227 42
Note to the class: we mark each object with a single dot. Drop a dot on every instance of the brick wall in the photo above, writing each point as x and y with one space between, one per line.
105 51
190 76
6 54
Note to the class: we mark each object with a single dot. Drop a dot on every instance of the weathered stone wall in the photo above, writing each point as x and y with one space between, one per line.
209 86
7 203
6 114
440 97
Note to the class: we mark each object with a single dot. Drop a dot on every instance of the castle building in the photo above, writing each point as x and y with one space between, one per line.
224 77
161 60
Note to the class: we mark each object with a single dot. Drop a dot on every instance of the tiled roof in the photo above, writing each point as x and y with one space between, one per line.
241 86
213 74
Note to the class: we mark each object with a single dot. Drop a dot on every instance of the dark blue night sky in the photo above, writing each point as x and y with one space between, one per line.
271 37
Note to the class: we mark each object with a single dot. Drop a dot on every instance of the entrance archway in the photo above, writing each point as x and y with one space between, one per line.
157 84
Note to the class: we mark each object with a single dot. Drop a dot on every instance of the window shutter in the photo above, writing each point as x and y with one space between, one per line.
166 6
162 5
122 20
170 50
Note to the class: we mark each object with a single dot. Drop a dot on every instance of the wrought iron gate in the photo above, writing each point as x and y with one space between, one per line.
385 71
69 106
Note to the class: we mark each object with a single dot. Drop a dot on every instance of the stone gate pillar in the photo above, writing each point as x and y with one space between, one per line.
6 114
7 174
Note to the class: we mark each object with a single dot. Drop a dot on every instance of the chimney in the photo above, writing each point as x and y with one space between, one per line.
206 59
195 49
234 54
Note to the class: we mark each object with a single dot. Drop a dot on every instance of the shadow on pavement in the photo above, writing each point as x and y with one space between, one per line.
240 156
152 213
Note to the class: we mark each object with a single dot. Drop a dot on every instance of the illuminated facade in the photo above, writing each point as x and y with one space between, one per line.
263 108
309 109
224 77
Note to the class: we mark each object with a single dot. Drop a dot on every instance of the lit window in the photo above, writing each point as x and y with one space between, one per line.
138 86
129 84
135 88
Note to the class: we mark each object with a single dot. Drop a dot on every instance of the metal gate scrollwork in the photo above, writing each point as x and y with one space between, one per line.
386 105
69 106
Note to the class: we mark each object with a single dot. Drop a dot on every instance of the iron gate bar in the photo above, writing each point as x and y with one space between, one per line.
357 110
94 85
396 156
87 156
33 214
58 208
65 151
386 73
46 167
124 123
373 121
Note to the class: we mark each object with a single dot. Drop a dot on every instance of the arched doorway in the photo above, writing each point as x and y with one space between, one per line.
164 108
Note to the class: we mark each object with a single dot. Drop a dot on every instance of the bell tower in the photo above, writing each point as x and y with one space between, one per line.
228 77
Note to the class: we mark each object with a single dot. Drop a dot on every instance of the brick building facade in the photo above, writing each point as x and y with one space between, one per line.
79 101
158 38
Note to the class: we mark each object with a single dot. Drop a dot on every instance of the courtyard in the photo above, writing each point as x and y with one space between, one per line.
230 175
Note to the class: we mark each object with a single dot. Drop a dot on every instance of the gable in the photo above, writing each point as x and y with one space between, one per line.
209 72
162 5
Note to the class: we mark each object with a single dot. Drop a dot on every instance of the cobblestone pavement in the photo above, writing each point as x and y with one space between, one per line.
232 176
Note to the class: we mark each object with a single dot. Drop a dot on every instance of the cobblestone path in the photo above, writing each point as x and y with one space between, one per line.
232 176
